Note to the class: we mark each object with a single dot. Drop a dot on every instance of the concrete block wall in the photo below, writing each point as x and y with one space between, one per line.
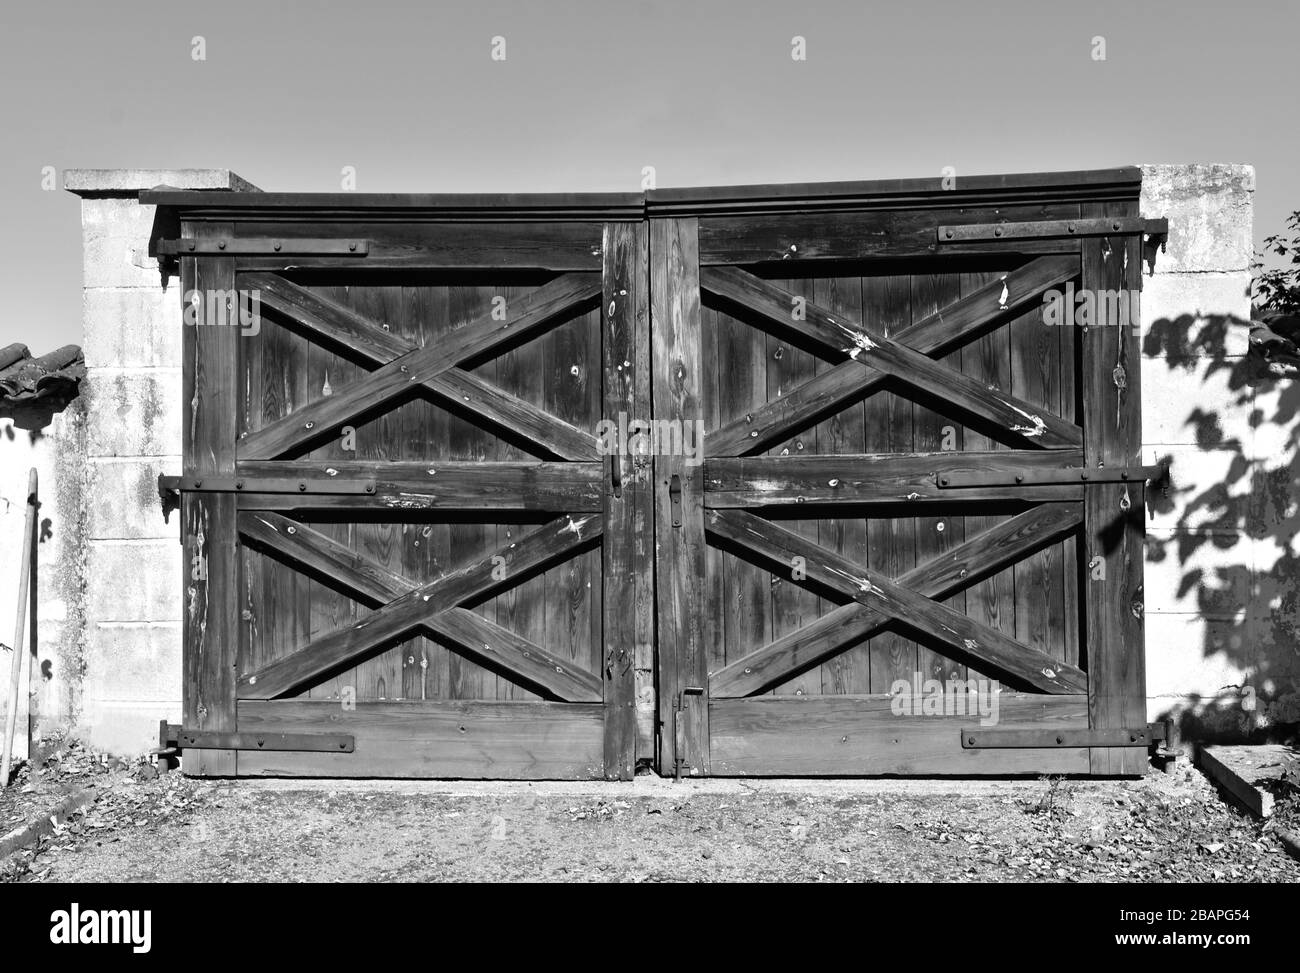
132 401
1221 574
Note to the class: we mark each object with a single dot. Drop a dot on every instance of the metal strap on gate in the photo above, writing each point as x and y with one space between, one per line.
173 739
1154 232
1020 738
960 479
171 487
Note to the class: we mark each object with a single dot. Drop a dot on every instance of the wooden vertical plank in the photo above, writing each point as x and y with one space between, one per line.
988 358
1112 535
1039 578
714 580
286 610
413 424
210 636
569 591
329 610
627 573
380 440
931 432
747 605
520 608
1071 563
435 322
886 304
850 671
679 561
793 606
468 680
252 580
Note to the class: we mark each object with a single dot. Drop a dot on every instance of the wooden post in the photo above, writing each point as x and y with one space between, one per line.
208 525
16 667
1113 512
679 502
628 551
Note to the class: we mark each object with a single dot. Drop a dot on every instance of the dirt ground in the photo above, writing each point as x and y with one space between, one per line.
147 828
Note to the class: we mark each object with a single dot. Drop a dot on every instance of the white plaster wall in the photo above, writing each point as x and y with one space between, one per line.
52 658
1220 638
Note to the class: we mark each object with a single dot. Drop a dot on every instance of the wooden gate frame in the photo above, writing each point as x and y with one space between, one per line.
1085 224
689 238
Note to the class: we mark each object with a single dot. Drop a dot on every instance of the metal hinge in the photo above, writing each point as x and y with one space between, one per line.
171 487
675 499
174 738
263 247
1020 738
960 479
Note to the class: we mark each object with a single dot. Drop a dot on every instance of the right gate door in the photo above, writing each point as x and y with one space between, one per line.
912 541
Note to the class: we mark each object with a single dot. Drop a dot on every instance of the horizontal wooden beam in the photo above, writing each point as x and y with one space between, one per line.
843 337
558 246
856 478
846 736
501 739
886 233
966 564
991 648
984 309
435 485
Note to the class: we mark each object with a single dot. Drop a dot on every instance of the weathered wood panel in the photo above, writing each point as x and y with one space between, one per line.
1113 513
679 487
846 736
627 572
471 739
211 624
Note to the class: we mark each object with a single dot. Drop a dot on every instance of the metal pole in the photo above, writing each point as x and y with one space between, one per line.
20 627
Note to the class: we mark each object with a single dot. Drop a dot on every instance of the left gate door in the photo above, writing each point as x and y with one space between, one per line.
406 552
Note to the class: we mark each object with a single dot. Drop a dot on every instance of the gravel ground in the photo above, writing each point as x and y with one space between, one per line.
146 828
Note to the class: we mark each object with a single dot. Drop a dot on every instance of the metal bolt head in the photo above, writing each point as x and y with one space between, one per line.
221 244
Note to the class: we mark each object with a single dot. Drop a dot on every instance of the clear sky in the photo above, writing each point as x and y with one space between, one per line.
590 92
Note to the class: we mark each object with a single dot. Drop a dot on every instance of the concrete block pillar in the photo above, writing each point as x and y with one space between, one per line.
1218 660
132 401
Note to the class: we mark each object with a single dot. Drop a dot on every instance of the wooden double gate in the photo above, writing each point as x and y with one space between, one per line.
797 480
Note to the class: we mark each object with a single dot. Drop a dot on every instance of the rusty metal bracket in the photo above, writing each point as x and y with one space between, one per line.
1021 738
1068 475
174 738
263 247
1052 229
